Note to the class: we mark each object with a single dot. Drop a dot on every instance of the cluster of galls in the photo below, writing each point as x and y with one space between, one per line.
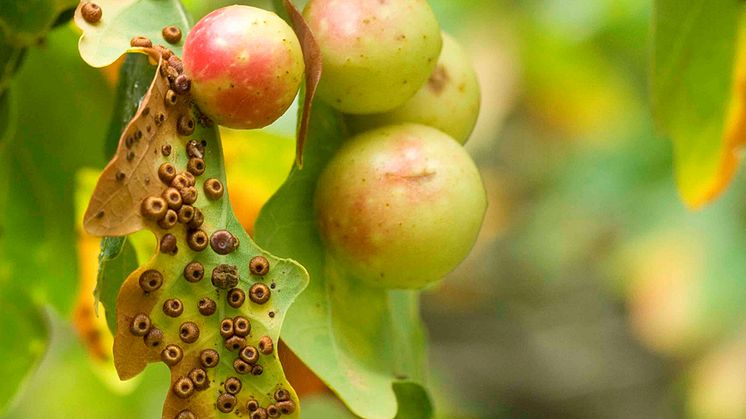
234 332
176 204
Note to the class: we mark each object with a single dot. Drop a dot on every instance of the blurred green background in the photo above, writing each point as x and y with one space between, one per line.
591 293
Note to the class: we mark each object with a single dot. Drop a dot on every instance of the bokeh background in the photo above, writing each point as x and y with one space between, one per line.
592 291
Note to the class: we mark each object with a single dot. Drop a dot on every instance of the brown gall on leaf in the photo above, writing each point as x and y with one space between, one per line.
259 293
140 325
199 378
312 61
196 166
197 219
185 125
286 407
91 12
167 171
249 354
209 358
225 276
180 182
236 297
182 84
213 189
173 307
226 328
257 370
153 208
265 345
232 385
206 306
170 100
272 411
150 280
169 220
241 366
154 338
194 272
259 265
183 387
189 332
168 244
259 413
223 242
197 240
241 326
281 395
172 355
235 343
226 402
186 414
186 213
252 405
175 63
141 42
172 34
164 52
172 198
188 195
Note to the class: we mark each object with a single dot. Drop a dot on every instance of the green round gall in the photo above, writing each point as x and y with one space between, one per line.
449 101
376 55
400 206
245 66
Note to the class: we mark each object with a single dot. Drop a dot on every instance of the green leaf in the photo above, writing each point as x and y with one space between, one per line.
7 117
25 22
55 135
693 85
115 208
414 401
11 57
359 340
25 330
116 261
105 41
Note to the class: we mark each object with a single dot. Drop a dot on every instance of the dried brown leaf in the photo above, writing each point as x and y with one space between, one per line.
312 60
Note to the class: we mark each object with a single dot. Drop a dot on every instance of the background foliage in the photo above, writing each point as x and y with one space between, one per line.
592 292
